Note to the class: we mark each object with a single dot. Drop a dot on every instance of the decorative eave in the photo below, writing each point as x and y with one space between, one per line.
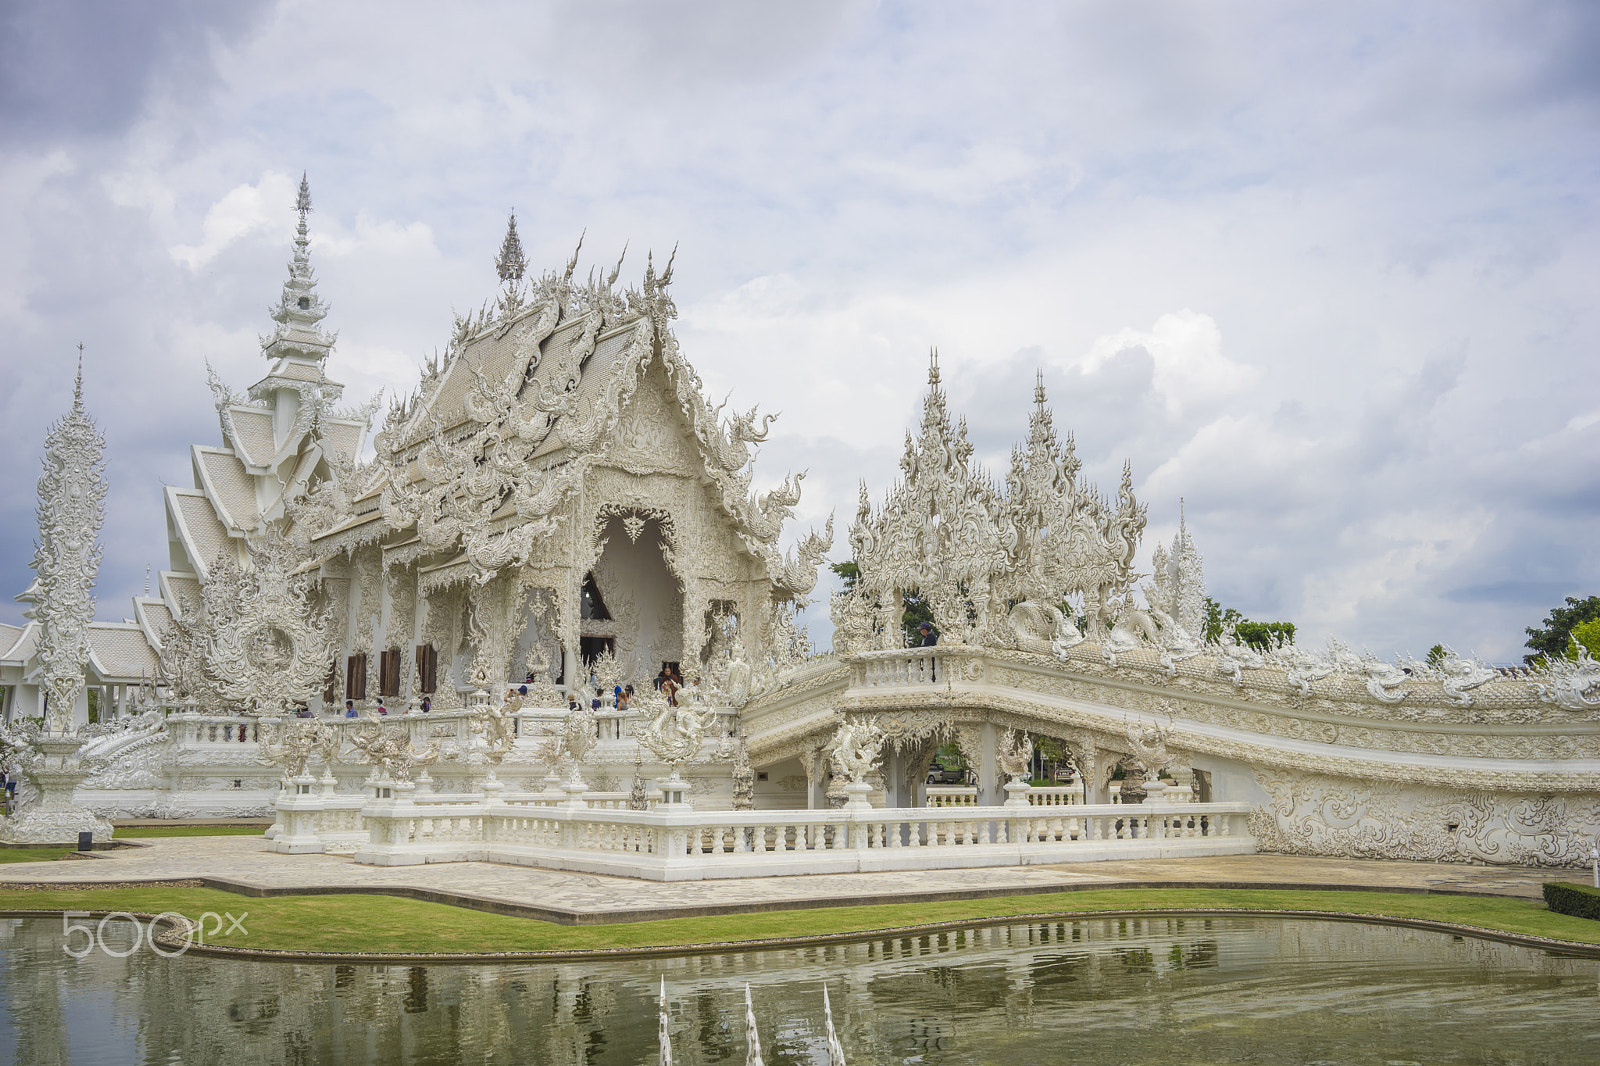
146 612
173 596
183 521
21 647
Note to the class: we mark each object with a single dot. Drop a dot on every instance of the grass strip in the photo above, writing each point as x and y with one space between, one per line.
134 832
386 924
34 854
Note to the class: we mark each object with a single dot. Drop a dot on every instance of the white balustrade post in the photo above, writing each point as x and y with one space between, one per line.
297 813
390 816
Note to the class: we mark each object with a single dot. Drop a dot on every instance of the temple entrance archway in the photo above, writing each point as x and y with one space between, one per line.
643 600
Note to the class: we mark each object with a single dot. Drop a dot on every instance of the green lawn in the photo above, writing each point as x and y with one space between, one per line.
390 924
135 832
33 854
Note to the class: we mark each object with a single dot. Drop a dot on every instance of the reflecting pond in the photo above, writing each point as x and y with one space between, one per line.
1150 991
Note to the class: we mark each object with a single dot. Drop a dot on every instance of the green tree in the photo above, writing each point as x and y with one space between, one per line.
914 610
1262 636
1217 619
1588 635
1554 636
1436 655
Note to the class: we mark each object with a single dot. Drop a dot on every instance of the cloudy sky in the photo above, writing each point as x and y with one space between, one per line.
1328 272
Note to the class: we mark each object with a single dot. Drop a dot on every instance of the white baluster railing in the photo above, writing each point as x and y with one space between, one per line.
952 796
665 844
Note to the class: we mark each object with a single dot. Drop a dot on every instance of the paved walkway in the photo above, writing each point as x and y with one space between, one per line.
244 863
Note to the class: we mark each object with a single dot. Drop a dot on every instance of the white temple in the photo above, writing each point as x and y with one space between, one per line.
557 512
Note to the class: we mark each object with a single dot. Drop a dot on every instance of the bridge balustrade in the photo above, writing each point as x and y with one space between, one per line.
666 844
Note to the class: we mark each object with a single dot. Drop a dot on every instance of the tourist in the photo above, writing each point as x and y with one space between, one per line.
661 678
522 690
427 704
350 708
669 687
572 701
381 708
929 639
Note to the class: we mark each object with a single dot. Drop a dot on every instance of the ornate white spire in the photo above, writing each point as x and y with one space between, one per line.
72 494
300 310
511 263
1188 578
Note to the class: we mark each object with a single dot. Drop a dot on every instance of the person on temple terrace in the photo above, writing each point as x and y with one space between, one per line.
350 708
929 640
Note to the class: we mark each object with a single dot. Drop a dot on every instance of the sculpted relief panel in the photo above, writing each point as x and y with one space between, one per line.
1314 814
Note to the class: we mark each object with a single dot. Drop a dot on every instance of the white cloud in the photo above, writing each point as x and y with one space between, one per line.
1409 554
243 211
1186 348
1385 318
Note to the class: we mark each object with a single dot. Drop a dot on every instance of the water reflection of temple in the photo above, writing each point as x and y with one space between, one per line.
949 994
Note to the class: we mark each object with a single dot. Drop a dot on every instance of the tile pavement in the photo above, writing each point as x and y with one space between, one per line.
244 863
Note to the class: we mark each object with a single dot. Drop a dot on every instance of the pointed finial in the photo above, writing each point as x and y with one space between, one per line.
77 386
933 366
147 579
572 264
611 279
666 274
511 263
1038 387
302 202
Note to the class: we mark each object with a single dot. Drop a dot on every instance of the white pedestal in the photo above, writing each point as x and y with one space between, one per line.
55 818
297 815
1017 794
673 791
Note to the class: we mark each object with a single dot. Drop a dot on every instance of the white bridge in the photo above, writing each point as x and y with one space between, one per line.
1507 771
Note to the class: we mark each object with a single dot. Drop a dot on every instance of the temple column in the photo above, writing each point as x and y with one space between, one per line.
988 768
894 786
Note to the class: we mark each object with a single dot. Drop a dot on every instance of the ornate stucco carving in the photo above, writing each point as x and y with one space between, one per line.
949 534
254 642
1318 814
66 558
